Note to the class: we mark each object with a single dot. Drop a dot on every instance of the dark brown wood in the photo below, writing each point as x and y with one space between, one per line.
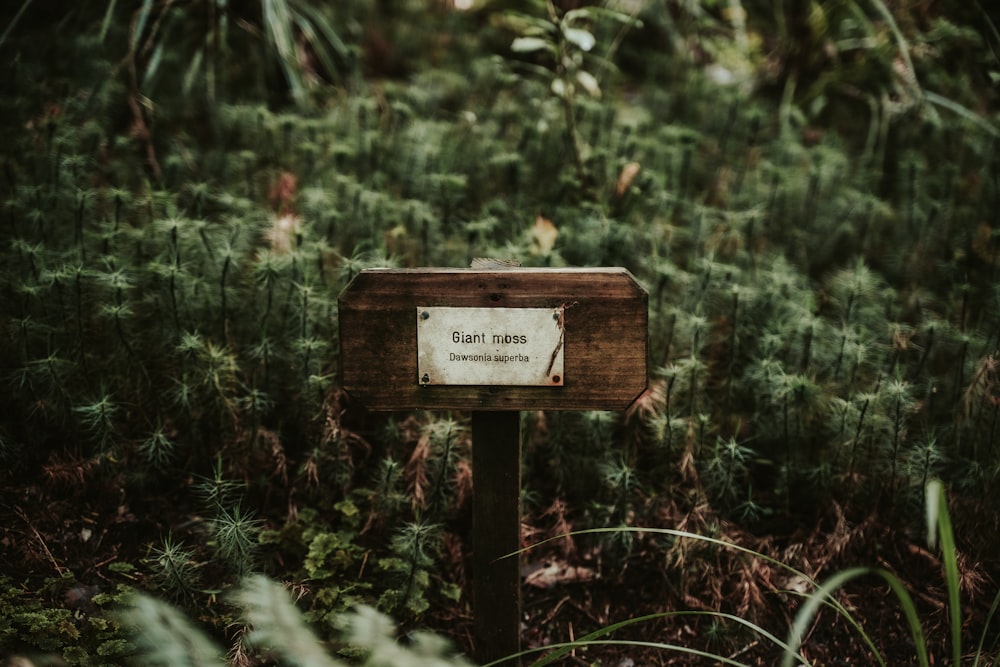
605 343
496 533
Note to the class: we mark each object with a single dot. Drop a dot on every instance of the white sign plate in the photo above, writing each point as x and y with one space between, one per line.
490 346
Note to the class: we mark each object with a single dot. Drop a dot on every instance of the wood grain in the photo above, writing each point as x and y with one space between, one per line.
606 319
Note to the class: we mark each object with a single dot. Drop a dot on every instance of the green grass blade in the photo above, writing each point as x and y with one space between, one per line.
193 71
607 630
986 629
719 659
939 519
834 603
807 613
153 66
671 533
904 49
910 611
318 47
107 20
278 27
14 21
836 606
962 111
326 31
993 31
140 25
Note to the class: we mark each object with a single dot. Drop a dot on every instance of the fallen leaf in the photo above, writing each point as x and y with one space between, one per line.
554 572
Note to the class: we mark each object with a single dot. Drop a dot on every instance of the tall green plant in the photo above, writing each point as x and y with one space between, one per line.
566 39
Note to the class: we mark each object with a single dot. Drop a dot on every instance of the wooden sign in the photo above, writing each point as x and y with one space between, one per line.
507 339
494 341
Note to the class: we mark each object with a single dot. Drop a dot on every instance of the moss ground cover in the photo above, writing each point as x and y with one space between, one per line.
808 194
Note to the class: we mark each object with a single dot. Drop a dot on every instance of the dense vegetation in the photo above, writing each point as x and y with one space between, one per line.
808 191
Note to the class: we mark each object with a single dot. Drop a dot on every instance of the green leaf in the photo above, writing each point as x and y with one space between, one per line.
583 39
583 13
347 508
594 13
417 604
559 87
529 44
589 83
452 591
522 24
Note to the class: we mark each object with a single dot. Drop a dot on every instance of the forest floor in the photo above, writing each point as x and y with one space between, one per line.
63 532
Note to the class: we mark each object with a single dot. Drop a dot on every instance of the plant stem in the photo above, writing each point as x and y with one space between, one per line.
173 299
806 349
895 443
927 352
222 290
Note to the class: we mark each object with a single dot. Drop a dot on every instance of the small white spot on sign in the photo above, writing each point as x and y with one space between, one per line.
490 346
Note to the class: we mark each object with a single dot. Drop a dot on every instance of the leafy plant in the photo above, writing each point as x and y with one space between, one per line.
234 533
203 45
27 626
165 636
176 570
414 546
566 40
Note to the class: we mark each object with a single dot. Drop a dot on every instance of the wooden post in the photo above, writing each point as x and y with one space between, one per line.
496 532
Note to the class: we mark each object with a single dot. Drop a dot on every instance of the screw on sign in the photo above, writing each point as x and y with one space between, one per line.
494 340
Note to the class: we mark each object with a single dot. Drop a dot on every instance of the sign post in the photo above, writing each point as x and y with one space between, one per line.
496 532
495 342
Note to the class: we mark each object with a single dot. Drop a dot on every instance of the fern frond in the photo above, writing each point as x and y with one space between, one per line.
166 637
278 625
